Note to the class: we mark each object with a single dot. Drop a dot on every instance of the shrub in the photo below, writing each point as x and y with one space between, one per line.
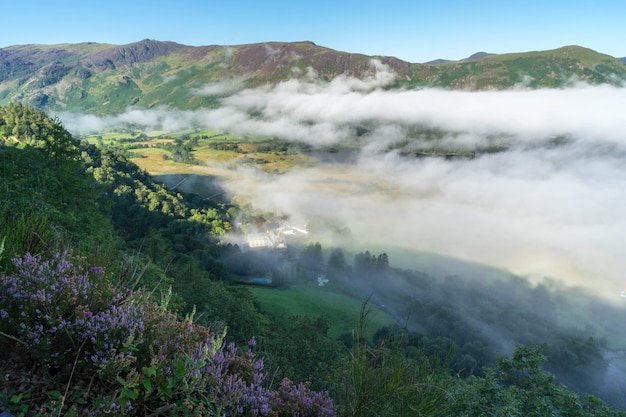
114 352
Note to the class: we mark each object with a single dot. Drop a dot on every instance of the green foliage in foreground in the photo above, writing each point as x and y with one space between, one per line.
519 386
121 354
45 195
85 328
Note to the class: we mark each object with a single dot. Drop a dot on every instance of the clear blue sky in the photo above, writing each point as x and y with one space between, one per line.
416 31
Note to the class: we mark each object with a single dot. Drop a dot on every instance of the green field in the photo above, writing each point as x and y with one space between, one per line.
341 310
209 148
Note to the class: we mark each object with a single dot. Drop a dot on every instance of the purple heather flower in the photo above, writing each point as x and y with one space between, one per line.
55 303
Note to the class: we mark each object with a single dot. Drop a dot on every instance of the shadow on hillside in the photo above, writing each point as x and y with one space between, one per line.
488 312
205 186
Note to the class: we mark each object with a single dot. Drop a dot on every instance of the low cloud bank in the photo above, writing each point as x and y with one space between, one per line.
540 212
324 113
550 203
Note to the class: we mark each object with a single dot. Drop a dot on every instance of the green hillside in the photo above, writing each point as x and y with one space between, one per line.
106 79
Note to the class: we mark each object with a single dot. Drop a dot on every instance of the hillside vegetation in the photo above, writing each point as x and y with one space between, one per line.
119 297
106 79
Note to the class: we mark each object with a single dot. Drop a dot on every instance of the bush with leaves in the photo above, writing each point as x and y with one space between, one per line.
519 386
112 351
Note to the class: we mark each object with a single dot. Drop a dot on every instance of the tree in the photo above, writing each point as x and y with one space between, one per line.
337 267
311 260
300 349
519 386
382 262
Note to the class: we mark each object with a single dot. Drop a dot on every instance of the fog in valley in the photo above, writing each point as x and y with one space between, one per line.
471 188
548 203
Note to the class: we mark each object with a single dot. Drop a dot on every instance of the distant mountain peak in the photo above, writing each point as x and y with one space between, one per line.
476 56
142 51
438 61
472 57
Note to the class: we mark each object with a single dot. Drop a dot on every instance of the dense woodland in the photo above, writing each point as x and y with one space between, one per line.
119 297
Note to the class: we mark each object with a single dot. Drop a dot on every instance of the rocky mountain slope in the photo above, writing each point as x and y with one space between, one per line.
106 79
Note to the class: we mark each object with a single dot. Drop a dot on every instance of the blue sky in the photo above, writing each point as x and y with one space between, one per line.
416 31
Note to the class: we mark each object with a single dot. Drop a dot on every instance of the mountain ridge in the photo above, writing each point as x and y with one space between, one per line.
472 57
106 78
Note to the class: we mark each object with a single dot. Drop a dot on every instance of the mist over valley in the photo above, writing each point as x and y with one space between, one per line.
500 201
524 180
472 206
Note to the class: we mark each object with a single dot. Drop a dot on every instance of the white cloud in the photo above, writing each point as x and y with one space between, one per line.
169 78
271 51
541 207
226 87
535 212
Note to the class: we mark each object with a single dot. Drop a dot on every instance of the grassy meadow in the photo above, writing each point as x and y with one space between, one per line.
341 310
208 148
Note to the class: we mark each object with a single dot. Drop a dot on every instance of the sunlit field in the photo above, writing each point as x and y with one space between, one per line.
342 311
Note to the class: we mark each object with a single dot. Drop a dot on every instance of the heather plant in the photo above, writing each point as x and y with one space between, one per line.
45 302
104 350
290 396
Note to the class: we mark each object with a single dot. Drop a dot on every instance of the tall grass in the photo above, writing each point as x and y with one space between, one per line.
26 233
380 380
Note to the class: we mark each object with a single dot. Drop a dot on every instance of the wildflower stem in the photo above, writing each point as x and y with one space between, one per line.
162 410
14 338
69 382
